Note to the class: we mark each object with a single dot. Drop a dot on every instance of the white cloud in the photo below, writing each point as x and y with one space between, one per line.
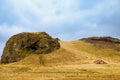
10 30
47 13
53 15
1 48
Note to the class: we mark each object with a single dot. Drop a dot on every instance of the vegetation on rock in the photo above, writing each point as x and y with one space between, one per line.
102 39
23 44
104 42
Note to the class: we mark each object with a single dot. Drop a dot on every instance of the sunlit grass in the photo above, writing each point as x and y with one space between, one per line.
104 52
67 63
68 72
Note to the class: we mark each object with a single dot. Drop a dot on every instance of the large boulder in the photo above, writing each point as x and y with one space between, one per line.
26 43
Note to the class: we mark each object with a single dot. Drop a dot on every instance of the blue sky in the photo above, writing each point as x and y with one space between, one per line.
65 19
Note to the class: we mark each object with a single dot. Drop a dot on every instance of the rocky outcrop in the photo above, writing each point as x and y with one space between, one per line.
26 43
104 42
101 39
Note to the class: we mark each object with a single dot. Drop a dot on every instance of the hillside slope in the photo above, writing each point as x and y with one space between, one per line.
67 54
74 52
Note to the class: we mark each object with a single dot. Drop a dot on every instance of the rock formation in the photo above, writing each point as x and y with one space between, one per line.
104 42
101 39
26 43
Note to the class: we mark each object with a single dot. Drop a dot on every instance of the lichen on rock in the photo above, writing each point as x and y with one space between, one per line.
26 43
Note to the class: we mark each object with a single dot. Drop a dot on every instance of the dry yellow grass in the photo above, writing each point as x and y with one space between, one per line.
63 72
74 61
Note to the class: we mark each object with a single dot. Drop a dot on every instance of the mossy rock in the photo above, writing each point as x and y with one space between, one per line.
102 39
26 43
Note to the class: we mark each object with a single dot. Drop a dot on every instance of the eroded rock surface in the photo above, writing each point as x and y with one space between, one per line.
26 43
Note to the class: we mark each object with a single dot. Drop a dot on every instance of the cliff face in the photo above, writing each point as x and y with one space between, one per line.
24 44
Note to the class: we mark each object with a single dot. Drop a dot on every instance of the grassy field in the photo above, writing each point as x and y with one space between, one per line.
74 61
64 72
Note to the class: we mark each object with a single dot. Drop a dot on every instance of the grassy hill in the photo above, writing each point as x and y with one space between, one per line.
73 61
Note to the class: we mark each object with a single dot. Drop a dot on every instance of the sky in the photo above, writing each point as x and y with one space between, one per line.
65 19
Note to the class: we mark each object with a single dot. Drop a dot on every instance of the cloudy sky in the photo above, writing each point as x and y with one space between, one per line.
65 19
